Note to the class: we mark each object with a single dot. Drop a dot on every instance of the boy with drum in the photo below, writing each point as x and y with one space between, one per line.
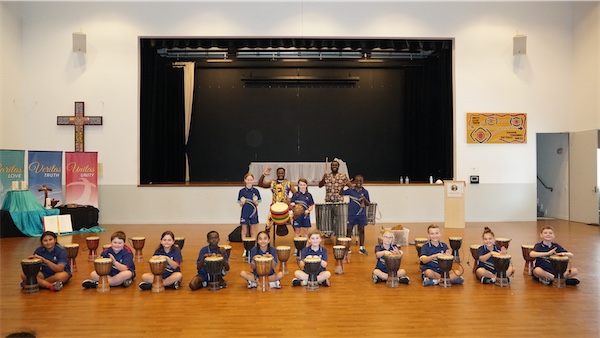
430 270
122 271
357 210
212 249
542 251
317 251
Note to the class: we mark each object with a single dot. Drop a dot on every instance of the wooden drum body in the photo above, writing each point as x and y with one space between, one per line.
345 241
339 251
392 264
157 267
92 243
445 264
501 264
263 269
526 249
180 241
559 267
312 265
102 267
419 242
455 244
280 213
227 248
283 255
138 244
475 253
502 242
249 243
31 268
299 244
214 265
72 251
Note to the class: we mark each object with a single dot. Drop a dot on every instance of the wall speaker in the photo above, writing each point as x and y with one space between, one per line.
79 44
519 44
474 179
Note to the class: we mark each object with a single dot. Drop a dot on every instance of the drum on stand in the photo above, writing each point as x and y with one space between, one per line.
263 266
31 268
280 213
346 242
299 244
526 249
339 251
312 265
419 242
180 241
501 264
502 242
392 264
455 244
475 253
559 267
92 243
72 251
283 255
102 267
138 244
340 224
249 243
214 265
324 217
157 267
445 264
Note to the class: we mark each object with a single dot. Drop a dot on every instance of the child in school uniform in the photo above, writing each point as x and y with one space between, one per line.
430 270
302 197
248 199
172 275
380 274
122 271
357 210
212 249
262 248
55 270
486 272
314 250
542 271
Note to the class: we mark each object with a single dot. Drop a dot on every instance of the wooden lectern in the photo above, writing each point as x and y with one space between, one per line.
454 204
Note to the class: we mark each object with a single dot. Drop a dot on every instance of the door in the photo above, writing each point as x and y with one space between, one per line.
583 177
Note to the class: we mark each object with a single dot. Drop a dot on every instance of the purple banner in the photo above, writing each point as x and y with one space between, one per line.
45 175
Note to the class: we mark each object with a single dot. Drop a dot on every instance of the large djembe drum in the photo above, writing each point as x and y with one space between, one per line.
501 264
455 244
106 246
419 242
180 241
283 255
392 264
31 268
299 244
102 267
502 242
227 249
346 242
92 243
263 266
280 213
526 249
214 265
475 253
72 251
559 266
339 251
138 244
445 264
249 243
157 267
312 265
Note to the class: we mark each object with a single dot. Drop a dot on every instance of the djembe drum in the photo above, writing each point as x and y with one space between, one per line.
283 254
445 264
72 251
138 244
312 265
503 242
419 242
31 268
263 266
157 267
227 248
180 241
102 267
280 213
526 249
475 254
455 244
92 245
214 265
559 267
501 264
249 243
345 241
299 244
338 253
106 246
392 264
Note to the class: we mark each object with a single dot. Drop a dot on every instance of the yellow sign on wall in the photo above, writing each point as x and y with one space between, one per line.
496 128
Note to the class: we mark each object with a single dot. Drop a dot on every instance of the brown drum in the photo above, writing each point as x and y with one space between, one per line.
339 251
283 254
346 242
475 254
455 244
419 242
102 267
502 242
180 241
227 248
138 244
280 213
559 267
263 266
299 244
249 243
31 267
501 264
445 264
106 247
72 251
312 265
392 264
92 245
526 249
214 265
157 267
298 210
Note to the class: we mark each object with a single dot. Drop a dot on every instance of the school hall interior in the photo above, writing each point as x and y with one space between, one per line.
555 83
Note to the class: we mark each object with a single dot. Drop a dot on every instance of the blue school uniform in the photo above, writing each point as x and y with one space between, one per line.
357 212
125 256
544 262
381 261
58 255
489 264
305 200
249 209
429 249
320 252
174 254
203 272
257 251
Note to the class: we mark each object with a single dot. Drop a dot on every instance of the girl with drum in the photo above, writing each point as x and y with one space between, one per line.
486 272
212 249
542 251
317 251
302 198
380 274
357 210
430 270
55 270
171 252
248 199
263 248
122 271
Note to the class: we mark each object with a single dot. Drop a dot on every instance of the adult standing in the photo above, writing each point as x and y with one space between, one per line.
282 189
334 182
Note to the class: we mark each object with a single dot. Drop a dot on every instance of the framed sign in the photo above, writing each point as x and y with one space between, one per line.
503 128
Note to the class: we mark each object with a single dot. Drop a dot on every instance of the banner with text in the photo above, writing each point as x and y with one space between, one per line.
81 172
44 172
500 128
12 169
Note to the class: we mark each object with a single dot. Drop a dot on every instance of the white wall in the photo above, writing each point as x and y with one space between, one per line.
487 78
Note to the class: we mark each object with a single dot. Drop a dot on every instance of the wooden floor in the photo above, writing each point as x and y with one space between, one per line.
353 306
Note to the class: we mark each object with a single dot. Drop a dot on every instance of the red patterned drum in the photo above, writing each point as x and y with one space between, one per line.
280 213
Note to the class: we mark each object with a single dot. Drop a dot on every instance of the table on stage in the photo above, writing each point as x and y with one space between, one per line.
25 211
312 171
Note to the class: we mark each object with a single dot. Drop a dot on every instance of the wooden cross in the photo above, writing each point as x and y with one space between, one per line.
45 189
79 121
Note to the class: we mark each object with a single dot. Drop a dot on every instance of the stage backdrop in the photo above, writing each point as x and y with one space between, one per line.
45 169
12 168
81 178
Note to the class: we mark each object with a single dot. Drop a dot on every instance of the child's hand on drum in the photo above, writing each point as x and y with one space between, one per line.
503 250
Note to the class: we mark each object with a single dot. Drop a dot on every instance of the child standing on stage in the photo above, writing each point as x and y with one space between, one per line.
248 199
263 248
169 251
430 270
55 270
542 251
357 210
486 272
314 250
302 197
122 271
212 249
380 274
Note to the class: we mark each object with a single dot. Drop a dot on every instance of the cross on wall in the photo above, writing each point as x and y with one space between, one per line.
79 120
